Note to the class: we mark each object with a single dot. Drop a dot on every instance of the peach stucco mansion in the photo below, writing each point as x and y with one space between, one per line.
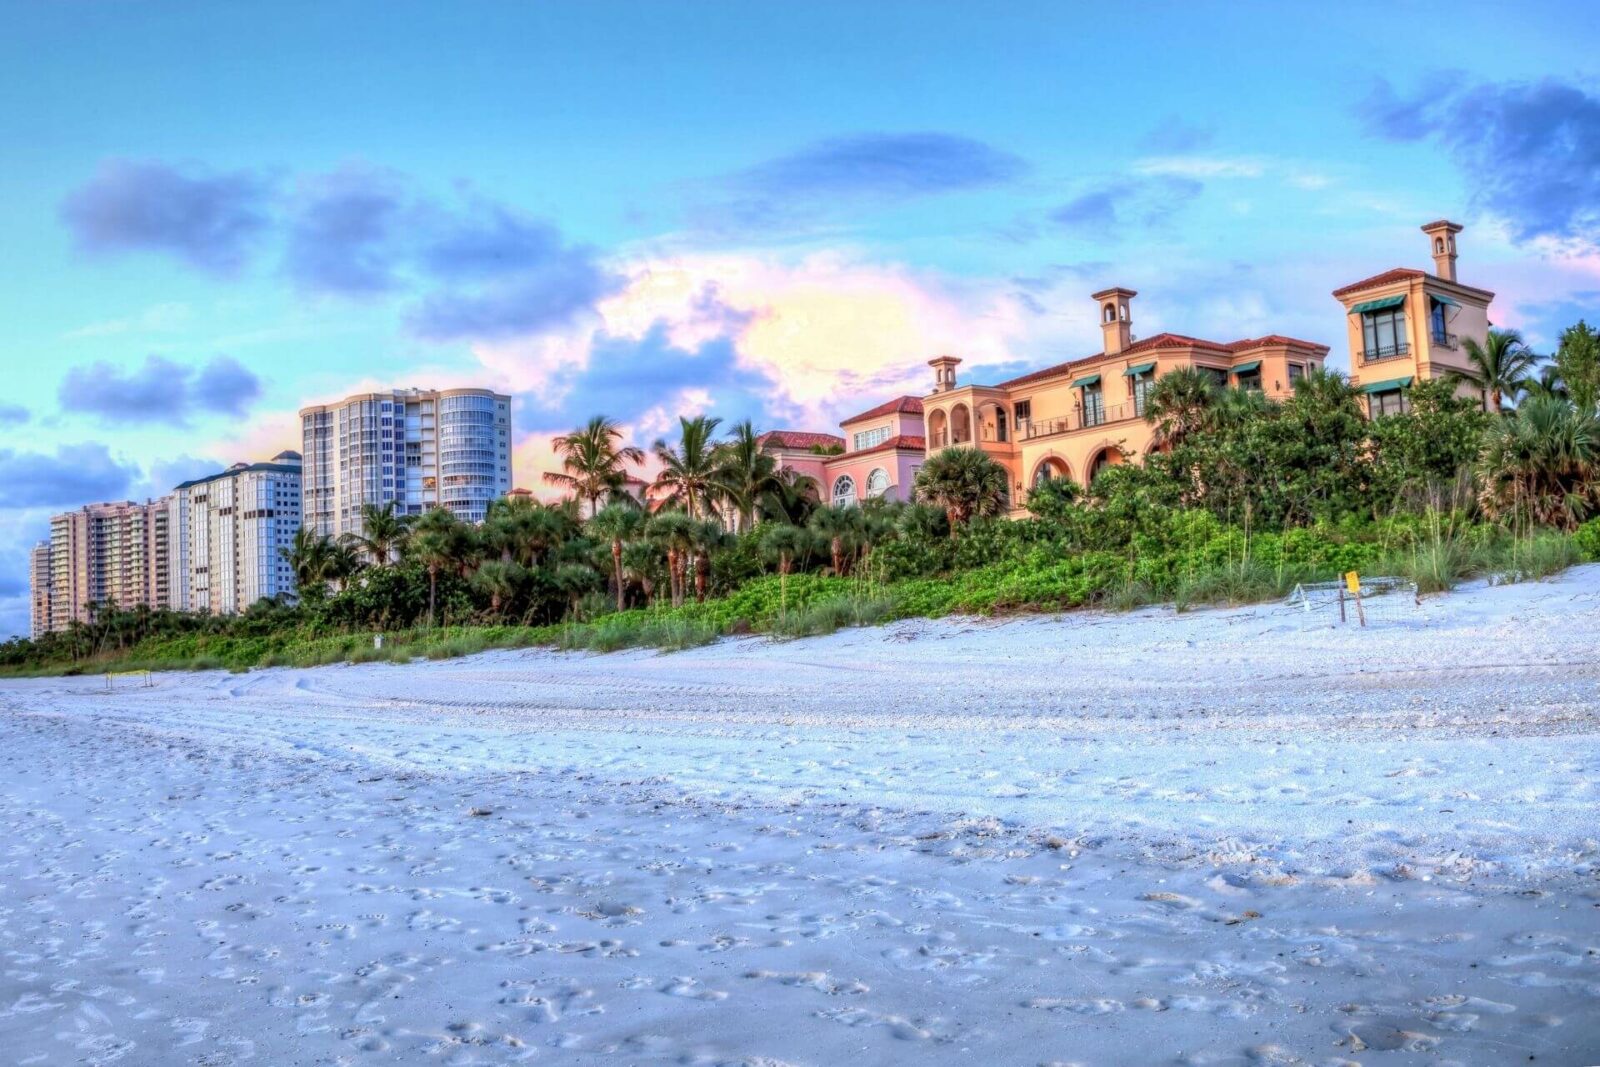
1071 419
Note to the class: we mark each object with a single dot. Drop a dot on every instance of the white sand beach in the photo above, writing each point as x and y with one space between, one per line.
1224 837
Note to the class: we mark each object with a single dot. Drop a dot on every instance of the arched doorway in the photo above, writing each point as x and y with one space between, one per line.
1110 456
1049 469
938 428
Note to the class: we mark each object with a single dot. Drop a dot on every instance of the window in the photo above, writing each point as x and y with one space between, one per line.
1142 385
877 483
844 491
868 438
1094 405
1022 413
1384 334
1296 372
1045 472
1389 402
1250 379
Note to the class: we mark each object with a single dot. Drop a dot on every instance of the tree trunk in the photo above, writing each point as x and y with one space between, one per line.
836 548
433 591
616 567
702 572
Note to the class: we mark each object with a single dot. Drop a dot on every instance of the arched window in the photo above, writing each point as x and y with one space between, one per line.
1111 313
1438 244
877 483
844 491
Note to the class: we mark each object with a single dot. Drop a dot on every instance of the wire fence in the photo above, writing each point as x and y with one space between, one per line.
1364 602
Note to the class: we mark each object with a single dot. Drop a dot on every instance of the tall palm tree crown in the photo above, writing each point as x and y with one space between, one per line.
1500 367
689 472
594 461
383 534
746 475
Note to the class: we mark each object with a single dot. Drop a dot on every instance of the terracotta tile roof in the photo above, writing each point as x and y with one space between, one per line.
908 441
902 405
799 439
1274 339
1149 344
1398 274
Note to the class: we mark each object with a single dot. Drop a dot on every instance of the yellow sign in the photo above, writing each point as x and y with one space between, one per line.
1352 582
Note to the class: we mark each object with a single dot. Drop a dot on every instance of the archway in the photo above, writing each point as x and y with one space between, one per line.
1110 456
1049 469
993 420
938 428
960 424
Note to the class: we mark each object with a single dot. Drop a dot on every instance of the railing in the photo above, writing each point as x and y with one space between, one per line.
1444 340
1374 355
1081 420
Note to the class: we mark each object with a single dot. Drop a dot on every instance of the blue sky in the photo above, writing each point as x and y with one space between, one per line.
214 213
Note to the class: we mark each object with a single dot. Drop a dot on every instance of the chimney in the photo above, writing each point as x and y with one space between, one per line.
1442 243
1115 322
944 372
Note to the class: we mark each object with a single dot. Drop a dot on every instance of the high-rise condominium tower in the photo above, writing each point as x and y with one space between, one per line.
107 555
229 533
414 448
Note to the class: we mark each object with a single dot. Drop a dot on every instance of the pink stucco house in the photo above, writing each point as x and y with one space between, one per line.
877 456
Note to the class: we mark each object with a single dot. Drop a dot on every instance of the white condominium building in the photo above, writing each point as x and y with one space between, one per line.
105 555
229 533
414 448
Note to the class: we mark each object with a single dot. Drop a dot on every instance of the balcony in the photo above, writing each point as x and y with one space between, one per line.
1441 339
1092 419
1378 355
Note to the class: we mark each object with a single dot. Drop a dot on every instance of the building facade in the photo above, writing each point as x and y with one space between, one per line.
413 448
1074 418
1406 325
112 555
878 454
229 535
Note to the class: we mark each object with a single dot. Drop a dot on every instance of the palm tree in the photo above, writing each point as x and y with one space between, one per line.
575 579
500 580
642 561
619 524
1178 404
708 537
965 483
689 472
1548 383
675 532
1500 367
437 541
1539 464
791 498
840 526
745 473
784 543
382 536
310 555
593 461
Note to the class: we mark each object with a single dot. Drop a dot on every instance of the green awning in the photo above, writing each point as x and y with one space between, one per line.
1246 368
1093 379
1387 387
1379 304
1444 300
1143 368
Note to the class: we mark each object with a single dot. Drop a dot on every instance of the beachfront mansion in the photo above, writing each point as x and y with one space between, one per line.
1074 418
